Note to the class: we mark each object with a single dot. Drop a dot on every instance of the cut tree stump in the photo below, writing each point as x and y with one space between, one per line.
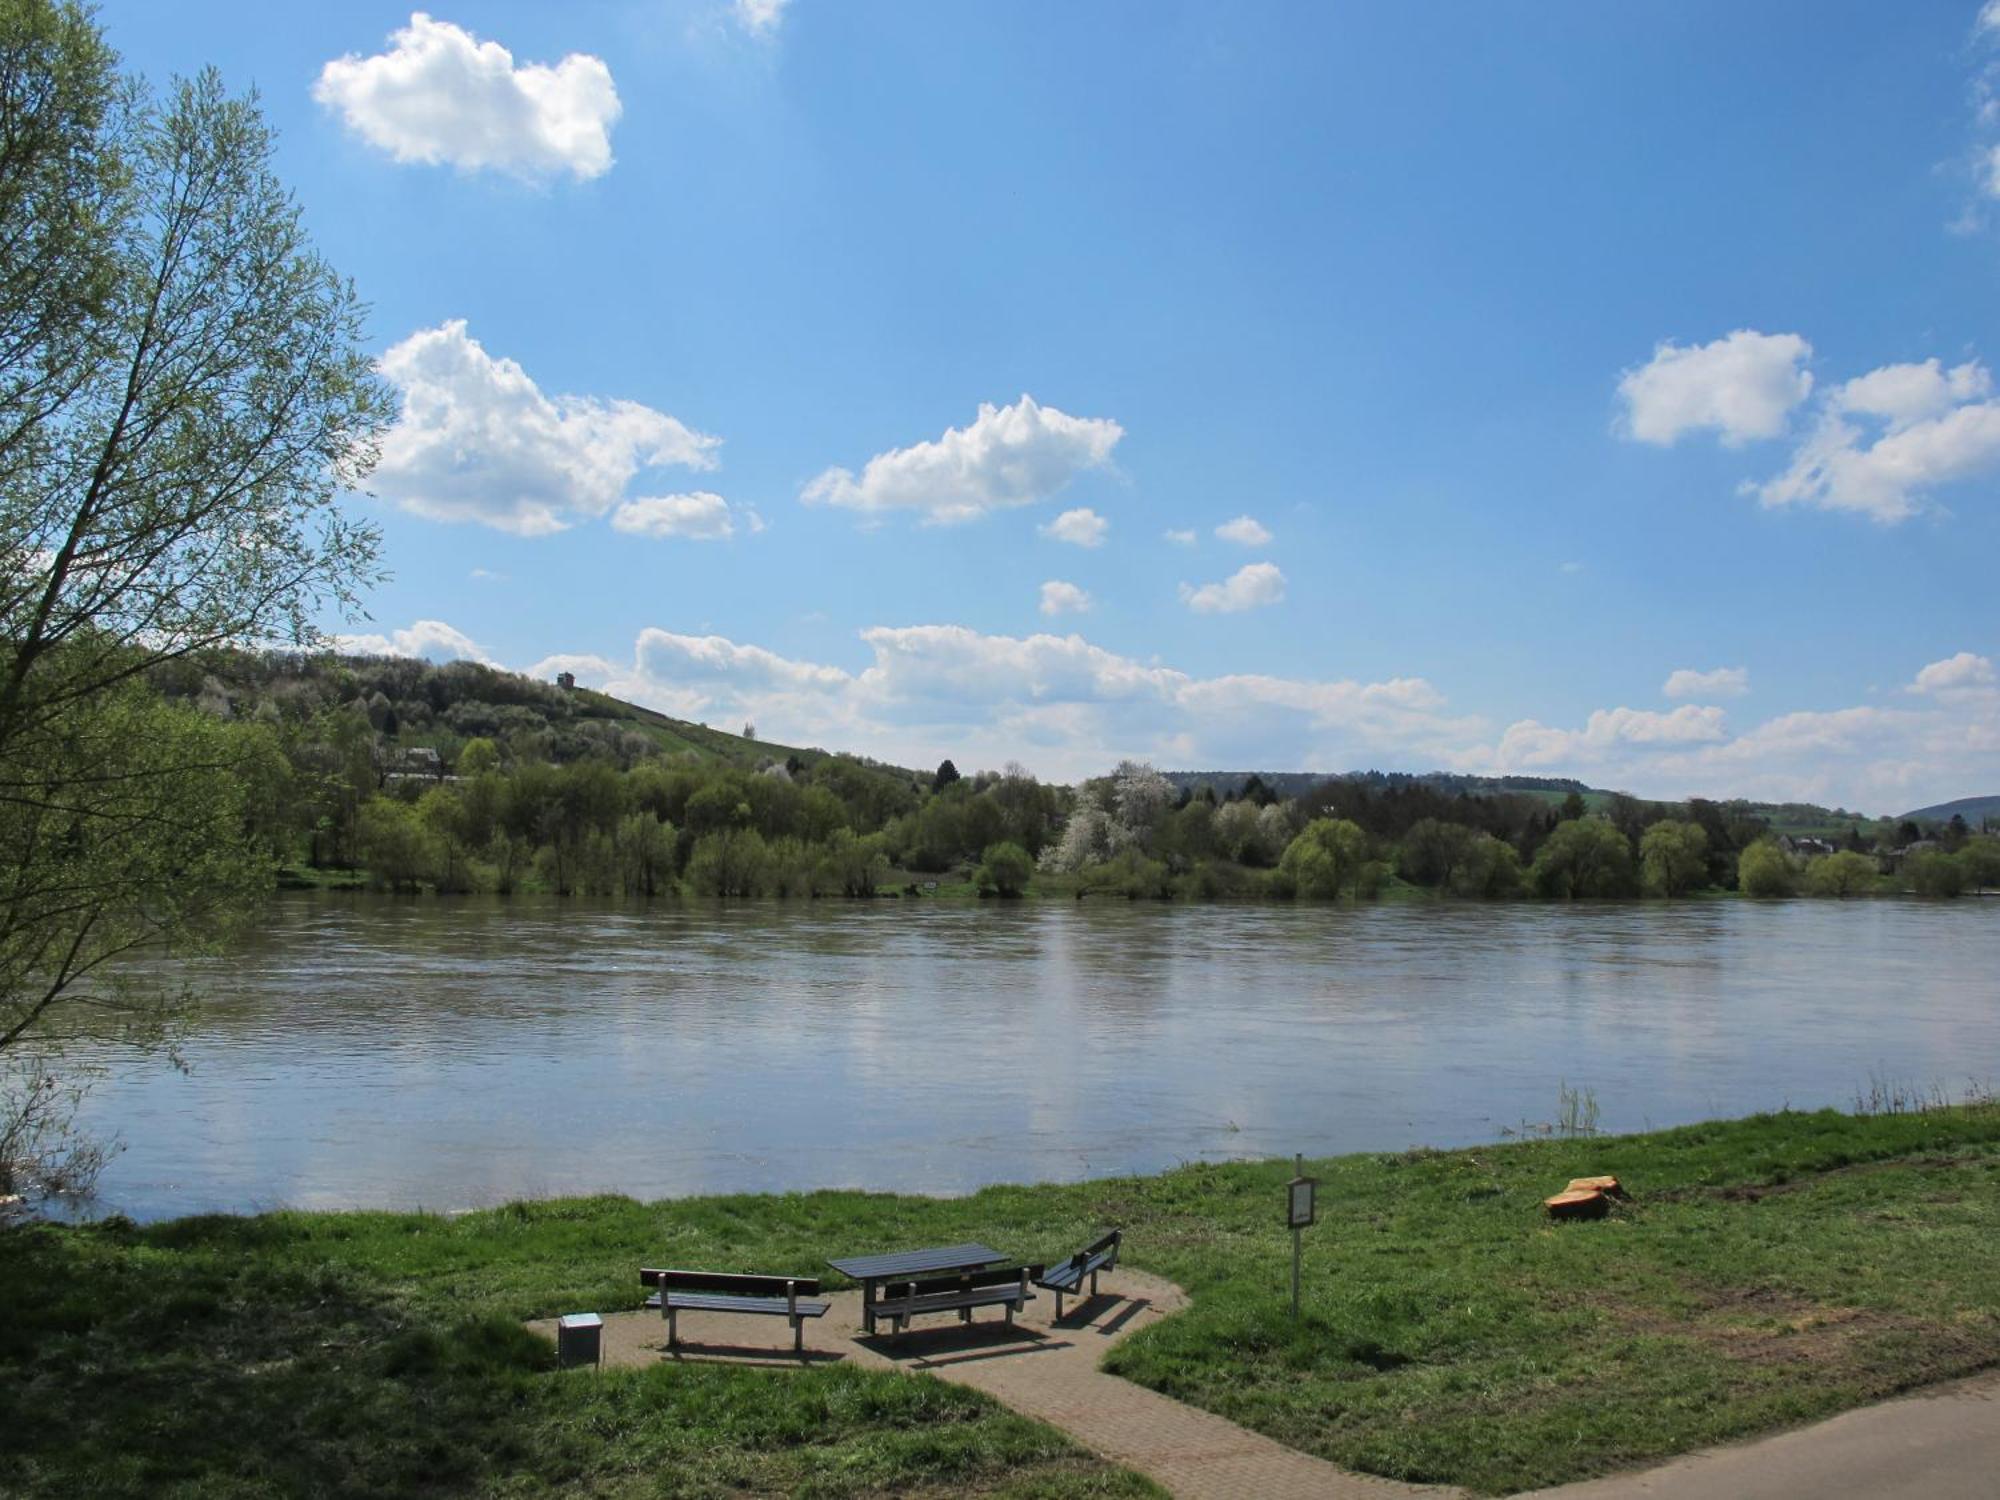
1609 1186
1587 1204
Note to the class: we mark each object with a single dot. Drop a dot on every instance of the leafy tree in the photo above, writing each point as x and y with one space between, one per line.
733 862
183 394
1432 852
947 773
1763 869
1324 861
1005 870
1490 867
1931 872
395 844
478 756
1584 857
1673 858
1843 874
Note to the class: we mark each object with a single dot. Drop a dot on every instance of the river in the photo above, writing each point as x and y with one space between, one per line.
444 1054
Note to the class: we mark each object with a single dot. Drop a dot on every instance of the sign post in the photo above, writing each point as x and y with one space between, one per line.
1301 1212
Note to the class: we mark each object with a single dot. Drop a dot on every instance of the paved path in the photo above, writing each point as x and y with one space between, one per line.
1937 1445
1042 1369
1942 1444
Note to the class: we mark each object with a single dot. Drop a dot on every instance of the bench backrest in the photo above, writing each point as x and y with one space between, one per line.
728 1283
1110 1241
967 1281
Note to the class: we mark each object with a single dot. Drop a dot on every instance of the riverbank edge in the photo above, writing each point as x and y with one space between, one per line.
1450 1333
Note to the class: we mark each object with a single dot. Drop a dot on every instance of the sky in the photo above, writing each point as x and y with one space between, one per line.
1568 390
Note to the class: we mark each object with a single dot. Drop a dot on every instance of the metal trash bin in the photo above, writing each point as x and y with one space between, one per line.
579 1340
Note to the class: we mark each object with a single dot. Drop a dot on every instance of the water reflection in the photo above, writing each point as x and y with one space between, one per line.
446 1054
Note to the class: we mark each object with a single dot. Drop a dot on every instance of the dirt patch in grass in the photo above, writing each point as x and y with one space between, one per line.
1757 1192
1763 1326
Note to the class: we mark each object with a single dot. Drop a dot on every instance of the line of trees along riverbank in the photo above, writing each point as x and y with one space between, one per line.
413 777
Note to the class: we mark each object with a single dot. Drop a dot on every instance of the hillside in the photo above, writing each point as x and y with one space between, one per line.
1975 810
415 705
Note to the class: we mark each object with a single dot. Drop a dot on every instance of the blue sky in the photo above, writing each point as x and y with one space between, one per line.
1550 352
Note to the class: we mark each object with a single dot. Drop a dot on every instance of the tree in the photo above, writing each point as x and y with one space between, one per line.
1763 869
1005 870
1843 874
1324 861
1931 872
947 773
1584 857
1673 858
183 396
1432 852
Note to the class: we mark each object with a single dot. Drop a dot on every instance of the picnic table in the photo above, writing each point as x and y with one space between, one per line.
872 1271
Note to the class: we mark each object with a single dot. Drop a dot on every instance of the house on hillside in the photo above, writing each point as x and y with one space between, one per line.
566 681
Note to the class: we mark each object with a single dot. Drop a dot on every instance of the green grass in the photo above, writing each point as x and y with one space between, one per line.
1768 1271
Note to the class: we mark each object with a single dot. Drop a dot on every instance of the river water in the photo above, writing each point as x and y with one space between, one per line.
446 1054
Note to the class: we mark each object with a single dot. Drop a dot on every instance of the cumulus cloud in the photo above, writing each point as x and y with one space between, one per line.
1058 702
1059 598
1885 440
1080 528
1069 708
477 440
701 516
1251 586
1722 682
433 640
440 95
761 18
1742 386
1964 672
1179 538
1009 456
1243 531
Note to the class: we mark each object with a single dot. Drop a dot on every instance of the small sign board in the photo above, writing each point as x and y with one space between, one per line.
1301 1203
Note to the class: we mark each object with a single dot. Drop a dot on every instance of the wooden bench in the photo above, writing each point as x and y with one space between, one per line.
1001 1286
792 1297
1067 1279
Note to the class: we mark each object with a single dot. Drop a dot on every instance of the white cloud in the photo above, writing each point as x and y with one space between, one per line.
1569 567
1059 598
1886 439
1955 674
1179 538
1742 386
1251 586
433 640
487 575
440 95
701 516
1061 704
1080 528
1722 682
1070 709
761 18
1009 456
1243 531
478 441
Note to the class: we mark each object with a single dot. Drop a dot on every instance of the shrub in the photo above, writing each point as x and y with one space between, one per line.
1934 873
1005 871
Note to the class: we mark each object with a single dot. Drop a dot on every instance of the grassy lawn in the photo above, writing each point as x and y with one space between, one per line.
1768 1271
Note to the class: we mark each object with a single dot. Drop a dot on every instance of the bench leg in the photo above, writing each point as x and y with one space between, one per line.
1093 1283
673 1331
965 1315
798 1335
1058 1307
1009 1309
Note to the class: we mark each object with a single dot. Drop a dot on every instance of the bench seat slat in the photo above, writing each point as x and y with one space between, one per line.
1071 1273
717 1302
950 1302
